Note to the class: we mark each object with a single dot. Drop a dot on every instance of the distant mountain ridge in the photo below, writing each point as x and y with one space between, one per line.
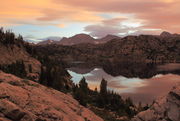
168 34
108 38
79 39
85 38
47 42
142 48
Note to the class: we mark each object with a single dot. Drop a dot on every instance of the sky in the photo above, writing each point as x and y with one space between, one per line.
38 19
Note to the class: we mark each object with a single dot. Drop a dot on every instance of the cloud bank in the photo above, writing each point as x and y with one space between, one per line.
128 16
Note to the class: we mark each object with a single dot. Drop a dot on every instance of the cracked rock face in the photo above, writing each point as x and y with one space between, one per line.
164 109
25 100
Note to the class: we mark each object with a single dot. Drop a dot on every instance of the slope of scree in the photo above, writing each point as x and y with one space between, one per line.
25 100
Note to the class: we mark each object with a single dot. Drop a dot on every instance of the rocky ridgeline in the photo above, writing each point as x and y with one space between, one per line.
25 100
79 39
164 109
134 49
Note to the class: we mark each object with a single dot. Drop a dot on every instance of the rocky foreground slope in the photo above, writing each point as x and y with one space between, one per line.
25 100
164 109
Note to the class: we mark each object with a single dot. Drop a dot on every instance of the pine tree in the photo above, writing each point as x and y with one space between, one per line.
102 98
81 92
83 85
103 87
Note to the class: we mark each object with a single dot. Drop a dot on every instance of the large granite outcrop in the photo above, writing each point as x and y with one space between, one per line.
25 100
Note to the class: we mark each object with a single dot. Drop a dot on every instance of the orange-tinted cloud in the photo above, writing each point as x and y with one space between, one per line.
154 14
41 12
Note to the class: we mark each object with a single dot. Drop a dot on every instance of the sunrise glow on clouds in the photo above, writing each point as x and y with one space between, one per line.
42 18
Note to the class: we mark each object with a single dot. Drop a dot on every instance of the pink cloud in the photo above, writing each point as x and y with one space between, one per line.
108 26
152 14
157 14
116 5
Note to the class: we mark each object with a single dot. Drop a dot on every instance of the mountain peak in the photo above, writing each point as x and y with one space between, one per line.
77 39
165 34
82 35
46 42
109 37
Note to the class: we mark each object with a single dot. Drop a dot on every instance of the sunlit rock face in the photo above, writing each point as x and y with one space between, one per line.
164 109
25 100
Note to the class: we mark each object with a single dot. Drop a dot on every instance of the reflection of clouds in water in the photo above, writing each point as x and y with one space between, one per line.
93 78
158 76
77 77
133 82
124 84
97 74
139 89
169 67
119 84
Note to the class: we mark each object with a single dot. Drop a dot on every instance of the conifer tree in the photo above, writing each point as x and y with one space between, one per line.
103 87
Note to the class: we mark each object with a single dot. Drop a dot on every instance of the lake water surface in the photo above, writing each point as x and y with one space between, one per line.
139 89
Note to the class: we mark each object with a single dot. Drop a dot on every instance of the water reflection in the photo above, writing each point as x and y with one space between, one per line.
128 69
156 86
141 70
139 89
119 84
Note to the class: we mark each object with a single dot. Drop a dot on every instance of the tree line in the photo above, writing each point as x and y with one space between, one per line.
54 75
9 38
17 68
105 99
